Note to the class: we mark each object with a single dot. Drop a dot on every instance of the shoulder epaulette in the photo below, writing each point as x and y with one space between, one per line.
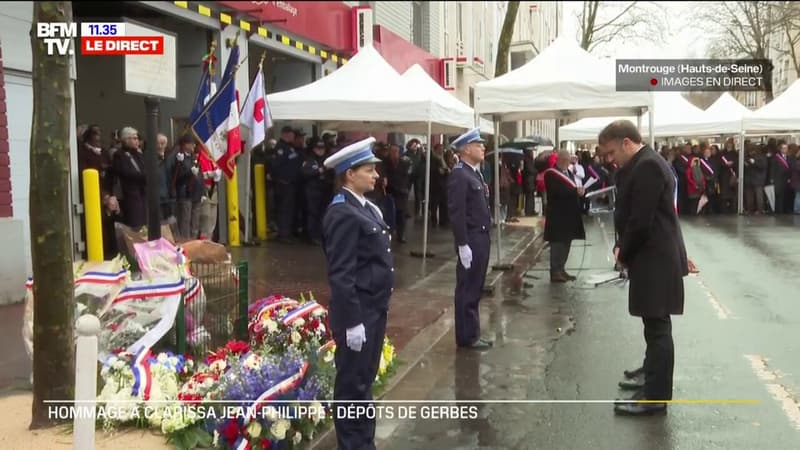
339 198
459 165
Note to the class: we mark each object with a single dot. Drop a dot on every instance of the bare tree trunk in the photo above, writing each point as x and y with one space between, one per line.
51 239
504 41
588 19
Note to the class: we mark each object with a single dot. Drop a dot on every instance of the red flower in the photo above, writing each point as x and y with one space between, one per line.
231 431
237 347
265 444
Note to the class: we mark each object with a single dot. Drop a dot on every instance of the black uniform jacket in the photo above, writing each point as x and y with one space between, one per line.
650 239
357 246
467 203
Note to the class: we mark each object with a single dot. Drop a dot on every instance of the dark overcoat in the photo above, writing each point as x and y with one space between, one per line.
650 239
563 215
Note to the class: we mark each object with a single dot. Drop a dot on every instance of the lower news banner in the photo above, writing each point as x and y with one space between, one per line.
314 411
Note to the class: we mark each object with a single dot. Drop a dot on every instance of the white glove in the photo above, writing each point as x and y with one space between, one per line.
217 175
356 337
195 170
465 255
179 156
203 199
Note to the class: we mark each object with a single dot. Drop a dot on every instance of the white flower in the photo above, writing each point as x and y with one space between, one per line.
215 442
317 415
321 328
271 326
328 356
299 323
271 414
218 365
296 337
279 429
112 360
318 313
208 383
118 365
253 361
173 362
297 438
162 358
254 429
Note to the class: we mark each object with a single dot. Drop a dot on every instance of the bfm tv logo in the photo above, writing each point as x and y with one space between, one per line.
97 39
57 37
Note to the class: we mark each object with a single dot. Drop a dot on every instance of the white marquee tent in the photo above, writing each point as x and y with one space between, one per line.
673 116
562 82
781 114
366 94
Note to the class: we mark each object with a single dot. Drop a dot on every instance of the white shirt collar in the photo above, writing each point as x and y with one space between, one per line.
361 199
476 167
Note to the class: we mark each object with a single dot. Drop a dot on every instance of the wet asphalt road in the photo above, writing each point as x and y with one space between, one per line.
739 339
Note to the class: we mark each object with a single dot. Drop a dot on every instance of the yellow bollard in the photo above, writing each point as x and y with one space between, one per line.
261 202
92 215
233 211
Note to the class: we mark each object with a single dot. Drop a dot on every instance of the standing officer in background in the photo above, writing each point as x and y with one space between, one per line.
468 207
563 215
286 176
318 184
360 272
651 247
398 178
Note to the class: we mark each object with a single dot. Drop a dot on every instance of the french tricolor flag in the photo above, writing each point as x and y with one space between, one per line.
216 124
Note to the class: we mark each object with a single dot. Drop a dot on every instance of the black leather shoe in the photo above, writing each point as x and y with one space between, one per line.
632 384
633 373
558 278
570 277
640 409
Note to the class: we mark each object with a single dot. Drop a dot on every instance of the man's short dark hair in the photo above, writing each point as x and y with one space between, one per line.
619 130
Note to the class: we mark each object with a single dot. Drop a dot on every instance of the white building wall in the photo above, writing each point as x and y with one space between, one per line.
396 16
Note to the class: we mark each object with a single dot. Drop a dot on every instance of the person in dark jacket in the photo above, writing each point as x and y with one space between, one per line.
651 247
793 150
357 245
563 215
91 155
440 170
729 178
398 183
186 187
468 207
285 174
781 173
529 173
755 176
318 184
129 168
681 164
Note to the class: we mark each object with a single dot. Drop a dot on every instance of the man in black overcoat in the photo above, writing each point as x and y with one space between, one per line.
651 247
563 215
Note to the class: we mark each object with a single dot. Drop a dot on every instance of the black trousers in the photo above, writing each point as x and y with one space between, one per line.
559 253
315 208
659 359
780 201
285 197
400 206
530 203
469 287
355 373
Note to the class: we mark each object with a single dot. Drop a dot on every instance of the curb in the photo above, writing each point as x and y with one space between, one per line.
419 345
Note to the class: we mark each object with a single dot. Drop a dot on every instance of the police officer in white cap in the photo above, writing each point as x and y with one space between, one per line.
468 205
357 245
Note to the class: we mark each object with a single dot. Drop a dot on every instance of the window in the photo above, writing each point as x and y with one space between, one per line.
416 25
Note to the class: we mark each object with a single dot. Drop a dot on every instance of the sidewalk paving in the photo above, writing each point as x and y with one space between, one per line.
420 314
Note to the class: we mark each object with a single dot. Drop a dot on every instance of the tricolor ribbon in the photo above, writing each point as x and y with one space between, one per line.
685 159
154 290
193 291
594 173
563 177
675 195
143 380
783 161
242 444
276 391
275 305
707 166
300 312
92 278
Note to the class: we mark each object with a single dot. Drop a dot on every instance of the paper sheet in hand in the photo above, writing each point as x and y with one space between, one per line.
600 192
701 203
589 182
770 191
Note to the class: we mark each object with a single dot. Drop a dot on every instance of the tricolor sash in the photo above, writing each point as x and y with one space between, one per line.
685 159
142 378
563 177
300 312
262 314
276 391
675 195
707 166
784 163
149 291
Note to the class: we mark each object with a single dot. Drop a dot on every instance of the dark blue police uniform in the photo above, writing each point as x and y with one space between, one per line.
361 275
468 207
286 177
